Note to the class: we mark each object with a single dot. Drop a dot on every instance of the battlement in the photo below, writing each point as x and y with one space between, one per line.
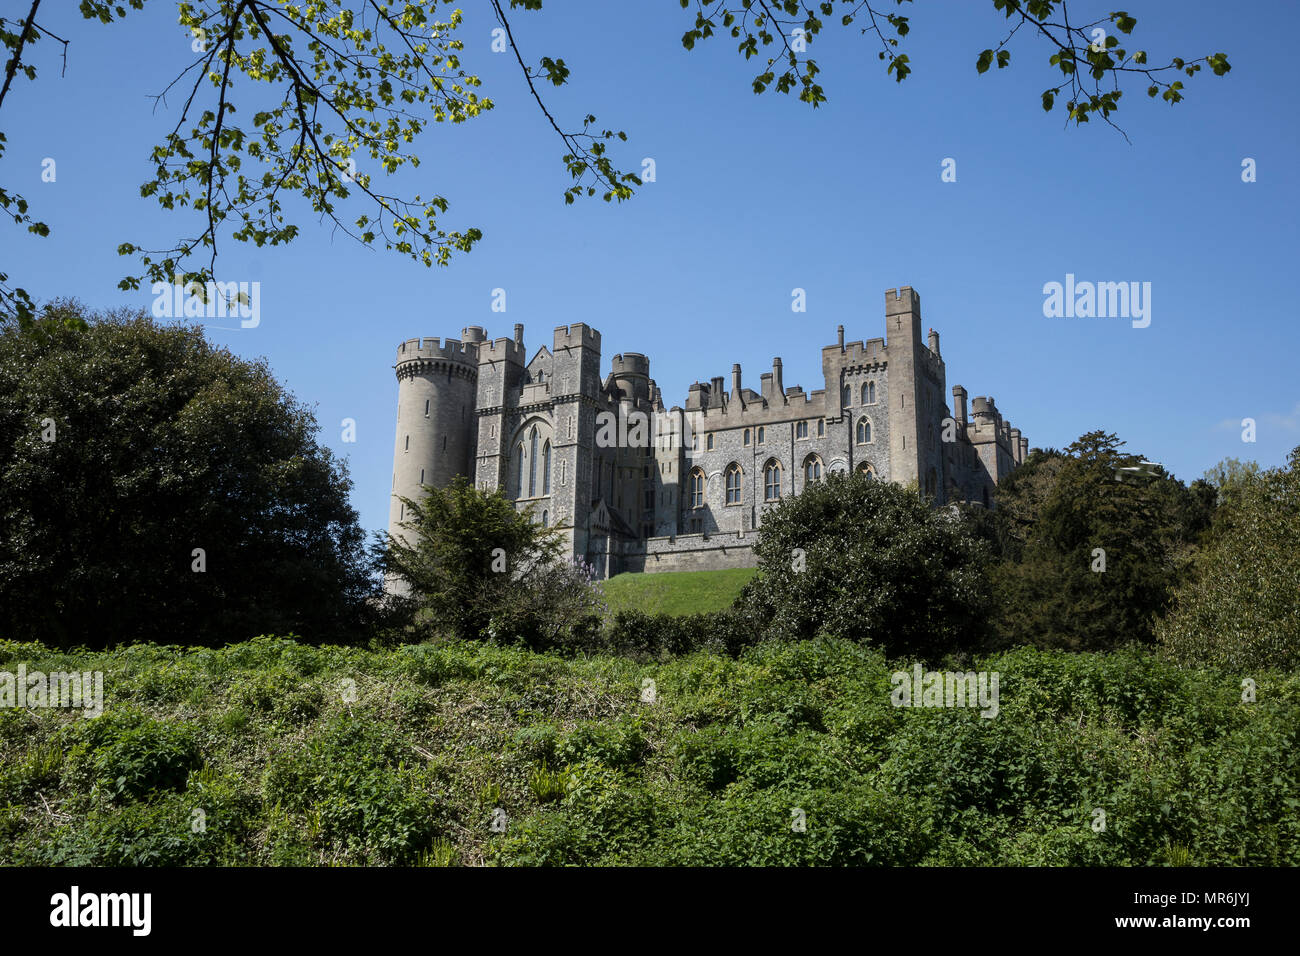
904 299
429 350
579 334
499 350
982 406
870 352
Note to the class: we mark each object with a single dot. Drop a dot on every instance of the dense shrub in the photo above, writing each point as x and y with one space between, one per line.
656 636
869 561
127 754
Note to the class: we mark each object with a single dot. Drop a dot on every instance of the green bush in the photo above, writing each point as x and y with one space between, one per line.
869 561
126 754
359 793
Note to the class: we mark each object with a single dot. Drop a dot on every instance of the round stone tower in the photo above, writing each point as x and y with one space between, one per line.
632 375
436 437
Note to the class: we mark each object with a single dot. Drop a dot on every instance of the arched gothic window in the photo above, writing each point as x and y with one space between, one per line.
812 469
733 484
546 468
772 480
864 431
532 463
697 488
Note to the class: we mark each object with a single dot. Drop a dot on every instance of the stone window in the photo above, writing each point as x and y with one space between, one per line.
801 430
532 463
821 428
733 484
546 468
426 408
846 396
864 431
867 469
708 441
869 393
762 434
408 443
519 471
772 480
545 519
812 469
747 437
421 476
697 488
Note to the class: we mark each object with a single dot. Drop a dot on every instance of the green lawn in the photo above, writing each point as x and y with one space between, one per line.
676 593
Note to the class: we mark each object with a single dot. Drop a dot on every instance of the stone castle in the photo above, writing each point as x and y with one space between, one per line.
690 495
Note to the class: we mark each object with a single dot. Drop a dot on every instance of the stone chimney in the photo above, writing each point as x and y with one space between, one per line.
778 384
959 404
519 334
735 382
934 341
840 331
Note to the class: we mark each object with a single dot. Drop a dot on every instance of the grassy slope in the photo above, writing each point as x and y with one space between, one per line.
676 593
298 755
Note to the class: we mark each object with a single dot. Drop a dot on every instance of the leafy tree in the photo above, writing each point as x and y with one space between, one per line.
156 488
465 555
869 561
333 82
1241 606
1230 478
1091 554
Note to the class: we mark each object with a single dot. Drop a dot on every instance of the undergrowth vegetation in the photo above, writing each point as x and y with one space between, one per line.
275 752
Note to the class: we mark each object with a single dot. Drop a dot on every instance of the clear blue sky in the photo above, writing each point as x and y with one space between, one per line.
756 196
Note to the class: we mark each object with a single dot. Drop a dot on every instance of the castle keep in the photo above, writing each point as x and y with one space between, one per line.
692 496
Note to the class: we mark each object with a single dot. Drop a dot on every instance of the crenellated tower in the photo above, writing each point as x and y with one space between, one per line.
436 385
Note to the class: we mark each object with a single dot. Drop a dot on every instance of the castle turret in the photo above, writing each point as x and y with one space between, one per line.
436 385
903 346
632 376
